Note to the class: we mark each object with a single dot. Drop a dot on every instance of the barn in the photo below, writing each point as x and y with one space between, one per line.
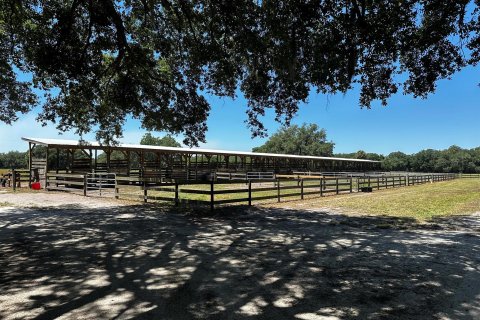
180 164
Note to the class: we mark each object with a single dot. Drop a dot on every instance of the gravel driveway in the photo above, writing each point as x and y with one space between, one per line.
70 257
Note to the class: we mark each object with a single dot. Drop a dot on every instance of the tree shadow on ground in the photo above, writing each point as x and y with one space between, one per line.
146 262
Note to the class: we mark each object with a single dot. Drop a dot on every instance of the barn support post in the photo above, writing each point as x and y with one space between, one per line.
117 190
129 162
95 161
278 190
57 162
212 197
85 184
108 153
29 164
177 201
46 167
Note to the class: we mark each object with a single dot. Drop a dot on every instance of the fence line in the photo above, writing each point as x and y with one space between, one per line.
469 175
16 178
213 193
281 189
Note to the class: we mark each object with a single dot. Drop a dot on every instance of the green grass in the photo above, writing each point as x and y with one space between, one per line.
421 202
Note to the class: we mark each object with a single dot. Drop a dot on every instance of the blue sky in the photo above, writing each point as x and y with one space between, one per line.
450 116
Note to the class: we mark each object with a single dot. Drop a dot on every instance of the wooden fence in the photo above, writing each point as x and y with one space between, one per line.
385 182
16 178
66 182
252 190
469 175
381 182
214 193
243 176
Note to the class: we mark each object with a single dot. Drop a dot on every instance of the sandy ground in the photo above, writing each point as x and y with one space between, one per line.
70 257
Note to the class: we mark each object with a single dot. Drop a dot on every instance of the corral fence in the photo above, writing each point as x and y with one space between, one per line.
393 181
218 193
243 176
90 184
17 178
469 175
100 184
66 182
229 191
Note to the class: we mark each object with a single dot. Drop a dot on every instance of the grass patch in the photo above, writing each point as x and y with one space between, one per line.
421 202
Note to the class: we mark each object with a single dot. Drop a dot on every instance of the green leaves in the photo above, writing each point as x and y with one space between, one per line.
167 141
307 140
102 61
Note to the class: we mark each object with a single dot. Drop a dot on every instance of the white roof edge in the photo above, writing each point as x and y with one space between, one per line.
62 142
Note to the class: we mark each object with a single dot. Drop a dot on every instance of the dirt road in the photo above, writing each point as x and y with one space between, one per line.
72 257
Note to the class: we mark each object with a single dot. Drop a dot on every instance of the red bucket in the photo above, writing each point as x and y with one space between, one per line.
36 186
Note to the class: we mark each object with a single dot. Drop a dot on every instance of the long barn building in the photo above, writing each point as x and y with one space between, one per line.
73 156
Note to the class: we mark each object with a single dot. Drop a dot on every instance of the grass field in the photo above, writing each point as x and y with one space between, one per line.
421 202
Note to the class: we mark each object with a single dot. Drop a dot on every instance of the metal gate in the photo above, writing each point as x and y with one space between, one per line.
101 184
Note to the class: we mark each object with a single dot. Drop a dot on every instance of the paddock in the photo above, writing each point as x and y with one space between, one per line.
201 176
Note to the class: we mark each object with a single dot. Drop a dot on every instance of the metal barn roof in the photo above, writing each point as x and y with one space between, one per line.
96 145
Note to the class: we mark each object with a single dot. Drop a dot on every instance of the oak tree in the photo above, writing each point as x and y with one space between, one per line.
94 63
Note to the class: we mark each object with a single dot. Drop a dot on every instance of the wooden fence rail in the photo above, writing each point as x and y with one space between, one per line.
214 193
253 190
469 175
16 178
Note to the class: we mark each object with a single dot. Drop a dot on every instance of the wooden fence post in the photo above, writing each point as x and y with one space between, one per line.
145 192
176 194
116 188
14 179
336 186
351 185
321 187
84 185
301 189
278 190
212 198
249 192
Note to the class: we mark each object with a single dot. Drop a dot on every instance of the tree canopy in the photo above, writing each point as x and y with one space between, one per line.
167 141
97 63
304 140
453 159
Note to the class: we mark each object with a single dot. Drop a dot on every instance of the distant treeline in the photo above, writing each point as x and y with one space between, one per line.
13 159
453 159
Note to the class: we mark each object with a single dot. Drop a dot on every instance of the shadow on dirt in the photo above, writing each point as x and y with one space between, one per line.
143 262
